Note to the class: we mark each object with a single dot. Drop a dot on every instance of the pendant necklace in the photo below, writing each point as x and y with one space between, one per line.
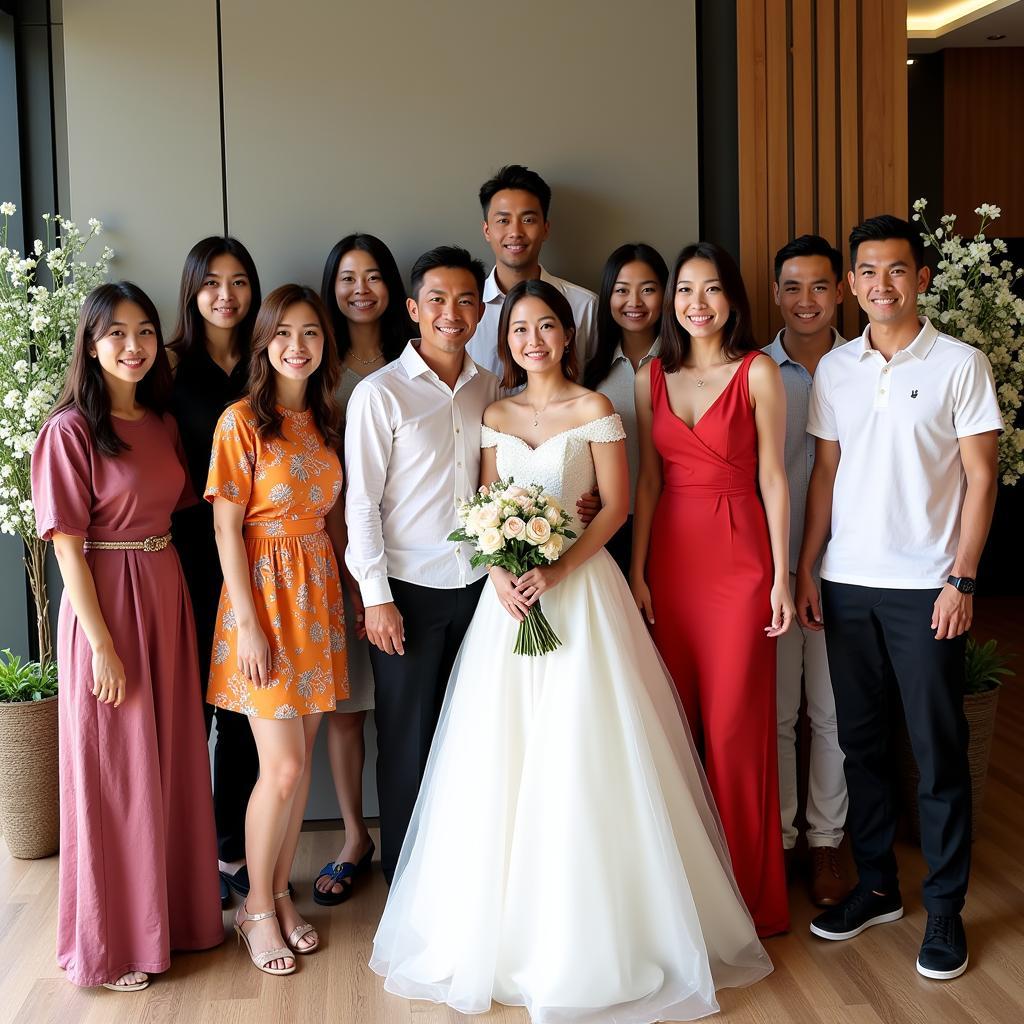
537 412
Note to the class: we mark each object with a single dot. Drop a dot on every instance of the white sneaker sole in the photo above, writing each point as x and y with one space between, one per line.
893 915
942 975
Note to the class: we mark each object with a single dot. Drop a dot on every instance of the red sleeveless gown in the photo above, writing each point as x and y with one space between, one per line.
709 569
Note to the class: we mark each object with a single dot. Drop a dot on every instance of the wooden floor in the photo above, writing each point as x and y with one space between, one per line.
867 980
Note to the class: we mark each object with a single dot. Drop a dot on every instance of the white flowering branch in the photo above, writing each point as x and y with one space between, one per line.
37 326
972 297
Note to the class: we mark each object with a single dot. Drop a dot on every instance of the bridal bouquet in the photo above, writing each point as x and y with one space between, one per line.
517 528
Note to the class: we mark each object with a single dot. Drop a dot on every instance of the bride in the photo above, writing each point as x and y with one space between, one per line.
564 854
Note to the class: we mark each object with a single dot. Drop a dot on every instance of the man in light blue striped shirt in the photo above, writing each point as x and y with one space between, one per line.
808 287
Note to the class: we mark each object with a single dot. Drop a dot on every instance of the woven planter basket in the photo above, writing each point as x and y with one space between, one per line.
980 712
29 810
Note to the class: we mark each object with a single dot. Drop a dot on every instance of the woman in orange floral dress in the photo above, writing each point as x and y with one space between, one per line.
279 646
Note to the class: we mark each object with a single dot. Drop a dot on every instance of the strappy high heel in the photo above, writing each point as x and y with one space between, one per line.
260 960
300 931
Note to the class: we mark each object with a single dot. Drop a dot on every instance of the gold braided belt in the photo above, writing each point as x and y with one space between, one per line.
149 544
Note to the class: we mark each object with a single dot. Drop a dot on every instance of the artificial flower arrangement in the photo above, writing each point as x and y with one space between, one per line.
516 528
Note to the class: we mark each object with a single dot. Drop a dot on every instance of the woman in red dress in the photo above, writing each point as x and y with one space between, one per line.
710 551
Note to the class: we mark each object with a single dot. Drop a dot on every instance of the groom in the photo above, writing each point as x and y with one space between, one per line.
412 451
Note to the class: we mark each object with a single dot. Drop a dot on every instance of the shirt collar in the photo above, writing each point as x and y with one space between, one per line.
918 348
654 350
778 351
493 292
415 365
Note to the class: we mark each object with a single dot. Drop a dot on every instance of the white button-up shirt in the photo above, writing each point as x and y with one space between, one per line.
900 485
412 452
484 345
618 388
799 444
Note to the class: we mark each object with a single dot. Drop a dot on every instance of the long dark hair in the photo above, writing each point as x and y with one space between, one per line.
395 326
738 337
84 386
189 334
321 385
513 375
609 333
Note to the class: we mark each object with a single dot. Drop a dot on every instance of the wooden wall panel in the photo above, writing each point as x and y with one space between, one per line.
822 129
984 157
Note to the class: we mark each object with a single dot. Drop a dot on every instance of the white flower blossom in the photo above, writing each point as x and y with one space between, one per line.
8 209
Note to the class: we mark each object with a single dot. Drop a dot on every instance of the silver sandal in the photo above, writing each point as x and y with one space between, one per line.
300 931
260 960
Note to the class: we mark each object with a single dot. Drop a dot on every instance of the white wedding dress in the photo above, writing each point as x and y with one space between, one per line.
564 854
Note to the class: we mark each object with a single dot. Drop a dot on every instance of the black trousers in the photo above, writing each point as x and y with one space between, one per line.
409 691
620 546
236 767
880 649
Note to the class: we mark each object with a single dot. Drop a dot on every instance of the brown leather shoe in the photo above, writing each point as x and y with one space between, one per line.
829 884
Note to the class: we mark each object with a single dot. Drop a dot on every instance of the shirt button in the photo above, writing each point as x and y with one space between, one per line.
882 392
456 430
459 464
885 369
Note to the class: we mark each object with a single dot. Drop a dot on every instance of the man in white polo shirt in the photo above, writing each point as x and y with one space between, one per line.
515 204
905 472
808 286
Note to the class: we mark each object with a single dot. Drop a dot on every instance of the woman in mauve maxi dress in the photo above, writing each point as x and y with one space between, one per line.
709 563
138 860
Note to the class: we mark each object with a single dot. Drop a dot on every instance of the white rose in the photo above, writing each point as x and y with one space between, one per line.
490 540
513 528
523 500
512 491
552 503
489 515
553 548
553 515
538 530
472 522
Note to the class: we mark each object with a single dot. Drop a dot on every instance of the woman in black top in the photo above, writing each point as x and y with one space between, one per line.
217 305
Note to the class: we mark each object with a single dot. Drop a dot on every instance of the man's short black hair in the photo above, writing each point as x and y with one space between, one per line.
809 245
881 229
516 176
453 256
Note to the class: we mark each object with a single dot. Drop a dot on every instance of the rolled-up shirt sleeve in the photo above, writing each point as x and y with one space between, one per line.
369 435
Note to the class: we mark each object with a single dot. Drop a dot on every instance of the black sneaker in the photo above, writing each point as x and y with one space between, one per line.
944 950
861 909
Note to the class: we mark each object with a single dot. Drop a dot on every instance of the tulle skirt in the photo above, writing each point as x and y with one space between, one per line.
564 854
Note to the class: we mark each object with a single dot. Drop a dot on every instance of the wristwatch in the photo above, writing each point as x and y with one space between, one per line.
965 584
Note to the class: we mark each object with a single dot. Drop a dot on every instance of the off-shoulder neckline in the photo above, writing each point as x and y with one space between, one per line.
561 433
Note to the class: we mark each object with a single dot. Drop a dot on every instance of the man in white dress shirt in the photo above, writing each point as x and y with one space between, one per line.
807 288
515 204
412 452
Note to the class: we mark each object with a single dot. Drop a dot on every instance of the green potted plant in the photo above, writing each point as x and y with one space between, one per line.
28 739
986 667
41 295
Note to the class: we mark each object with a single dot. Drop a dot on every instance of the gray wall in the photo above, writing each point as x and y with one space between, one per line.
381 117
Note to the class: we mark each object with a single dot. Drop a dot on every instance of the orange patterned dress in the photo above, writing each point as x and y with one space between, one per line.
287 485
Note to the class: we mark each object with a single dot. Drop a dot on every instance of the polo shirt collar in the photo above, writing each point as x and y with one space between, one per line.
918 348
415 365
493 292
778 351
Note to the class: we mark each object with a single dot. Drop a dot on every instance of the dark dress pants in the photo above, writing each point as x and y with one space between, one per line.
881 649
409 691
620 546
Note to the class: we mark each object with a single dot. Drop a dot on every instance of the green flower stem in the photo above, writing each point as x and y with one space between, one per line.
535 636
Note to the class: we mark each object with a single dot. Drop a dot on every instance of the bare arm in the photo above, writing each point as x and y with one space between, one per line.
612 472
817 523
107 671
769 398
253 647
648 490
338 532
953 611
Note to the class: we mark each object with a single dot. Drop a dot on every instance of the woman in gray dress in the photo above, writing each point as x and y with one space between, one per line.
363 291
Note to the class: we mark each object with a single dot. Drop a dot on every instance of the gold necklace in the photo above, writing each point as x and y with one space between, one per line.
537 412
365 362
